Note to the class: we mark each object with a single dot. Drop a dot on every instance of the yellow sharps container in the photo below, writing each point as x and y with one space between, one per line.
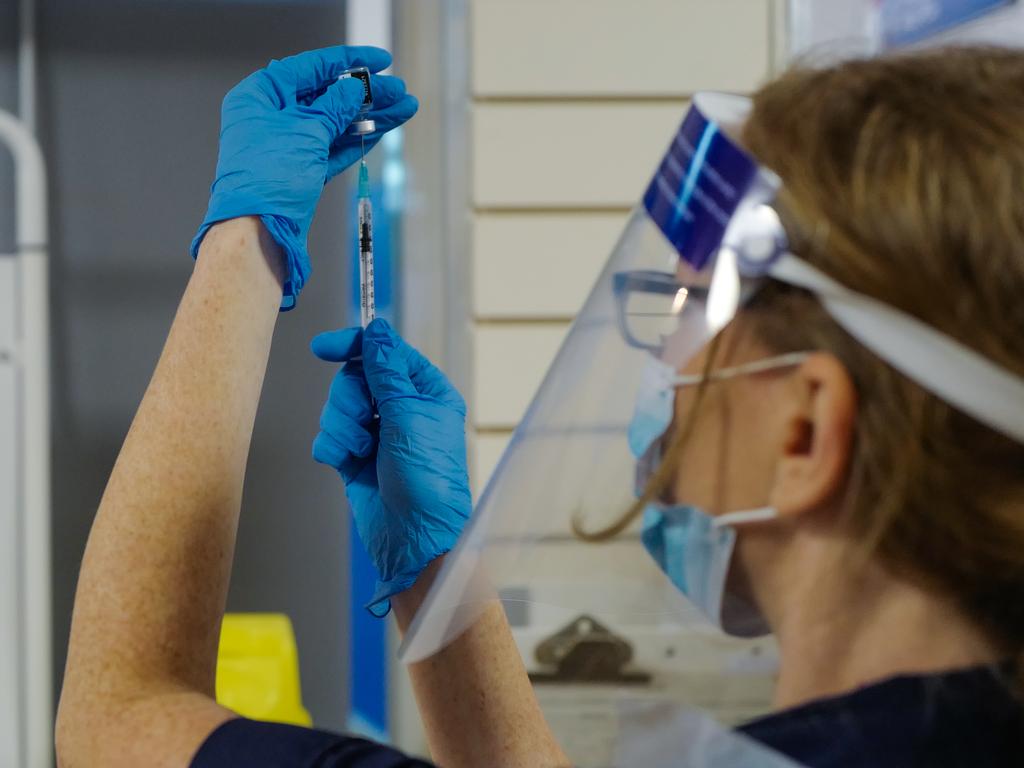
258 668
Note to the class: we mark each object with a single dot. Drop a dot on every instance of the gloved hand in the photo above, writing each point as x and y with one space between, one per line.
405 477
283 137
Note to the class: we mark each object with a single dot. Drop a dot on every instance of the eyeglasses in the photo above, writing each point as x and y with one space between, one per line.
649 304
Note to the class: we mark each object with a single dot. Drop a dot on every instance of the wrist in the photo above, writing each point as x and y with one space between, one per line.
244 249
406 604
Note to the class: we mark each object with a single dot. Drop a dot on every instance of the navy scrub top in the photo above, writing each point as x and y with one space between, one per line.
965 719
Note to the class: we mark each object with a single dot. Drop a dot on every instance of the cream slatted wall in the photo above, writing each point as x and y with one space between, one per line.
573 102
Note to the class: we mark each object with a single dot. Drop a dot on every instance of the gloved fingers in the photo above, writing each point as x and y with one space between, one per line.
387 90
336 448
328 451
431 381
344 154
349 395
363 491
394 115
395 369
337 106
384 359
392 105
338 346
312 71
347 149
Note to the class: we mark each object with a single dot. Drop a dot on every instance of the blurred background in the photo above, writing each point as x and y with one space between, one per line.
541 122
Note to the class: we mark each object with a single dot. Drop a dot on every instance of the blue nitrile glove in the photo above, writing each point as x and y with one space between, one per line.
283 137
405 477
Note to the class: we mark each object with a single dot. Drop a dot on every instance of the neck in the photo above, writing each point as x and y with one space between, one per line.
839 633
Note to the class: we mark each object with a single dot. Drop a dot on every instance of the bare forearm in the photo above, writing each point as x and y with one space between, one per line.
155 572
475 697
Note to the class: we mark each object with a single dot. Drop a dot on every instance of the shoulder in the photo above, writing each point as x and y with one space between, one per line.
968 717
254 744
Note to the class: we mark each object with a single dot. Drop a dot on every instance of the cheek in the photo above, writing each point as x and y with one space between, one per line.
698 474
724 465
756 442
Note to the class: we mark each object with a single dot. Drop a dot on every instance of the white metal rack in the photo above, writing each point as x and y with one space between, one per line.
25 696
26 700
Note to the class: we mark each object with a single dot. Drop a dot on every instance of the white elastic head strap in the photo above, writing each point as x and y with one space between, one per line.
945 367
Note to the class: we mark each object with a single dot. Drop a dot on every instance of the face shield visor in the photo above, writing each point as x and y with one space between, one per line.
701 242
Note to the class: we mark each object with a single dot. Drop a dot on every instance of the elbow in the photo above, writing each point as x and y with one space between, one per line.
78 731
90 711
70 738
64 737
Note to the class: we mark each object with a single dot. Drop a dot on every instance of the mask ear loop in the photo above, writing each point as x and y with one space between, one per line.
759 515
788 360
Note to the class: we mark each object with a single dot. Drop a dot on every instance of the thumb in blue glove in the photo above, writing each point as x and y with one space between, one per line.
405 477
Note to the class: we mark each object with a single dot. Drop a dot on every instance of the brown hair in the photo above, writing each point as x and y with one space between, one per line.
904 180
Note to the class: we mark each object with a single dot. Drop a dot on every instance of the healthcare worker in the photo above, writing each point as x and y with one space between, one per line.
793 403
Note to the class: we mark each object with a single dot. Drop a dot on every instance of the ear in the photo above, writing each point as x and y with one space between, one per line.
815 454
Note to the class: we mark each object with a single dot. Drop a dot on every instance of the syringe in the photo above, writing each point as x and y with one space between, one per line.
367 300
362 126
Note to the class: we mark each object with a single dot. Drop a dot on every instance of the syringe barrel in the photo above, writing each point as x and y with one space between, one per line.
367 299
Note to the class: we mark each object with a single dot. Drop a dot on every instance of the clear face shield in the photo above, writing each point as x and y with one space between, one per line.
612 614
693 250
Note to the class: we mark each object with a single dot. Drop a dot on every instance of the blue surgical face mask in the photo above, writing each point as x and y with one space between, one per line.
695 551
655 401
693 548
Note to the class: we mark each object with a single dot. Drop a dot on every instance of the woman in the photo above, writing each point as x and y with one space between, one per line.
801 465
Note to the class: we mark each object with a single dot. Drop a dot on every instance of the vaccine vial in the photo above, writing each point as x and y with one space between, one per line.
362 125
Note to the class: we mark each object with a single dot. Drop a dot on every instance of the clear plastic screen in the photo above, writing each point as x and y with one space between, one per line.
570 460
